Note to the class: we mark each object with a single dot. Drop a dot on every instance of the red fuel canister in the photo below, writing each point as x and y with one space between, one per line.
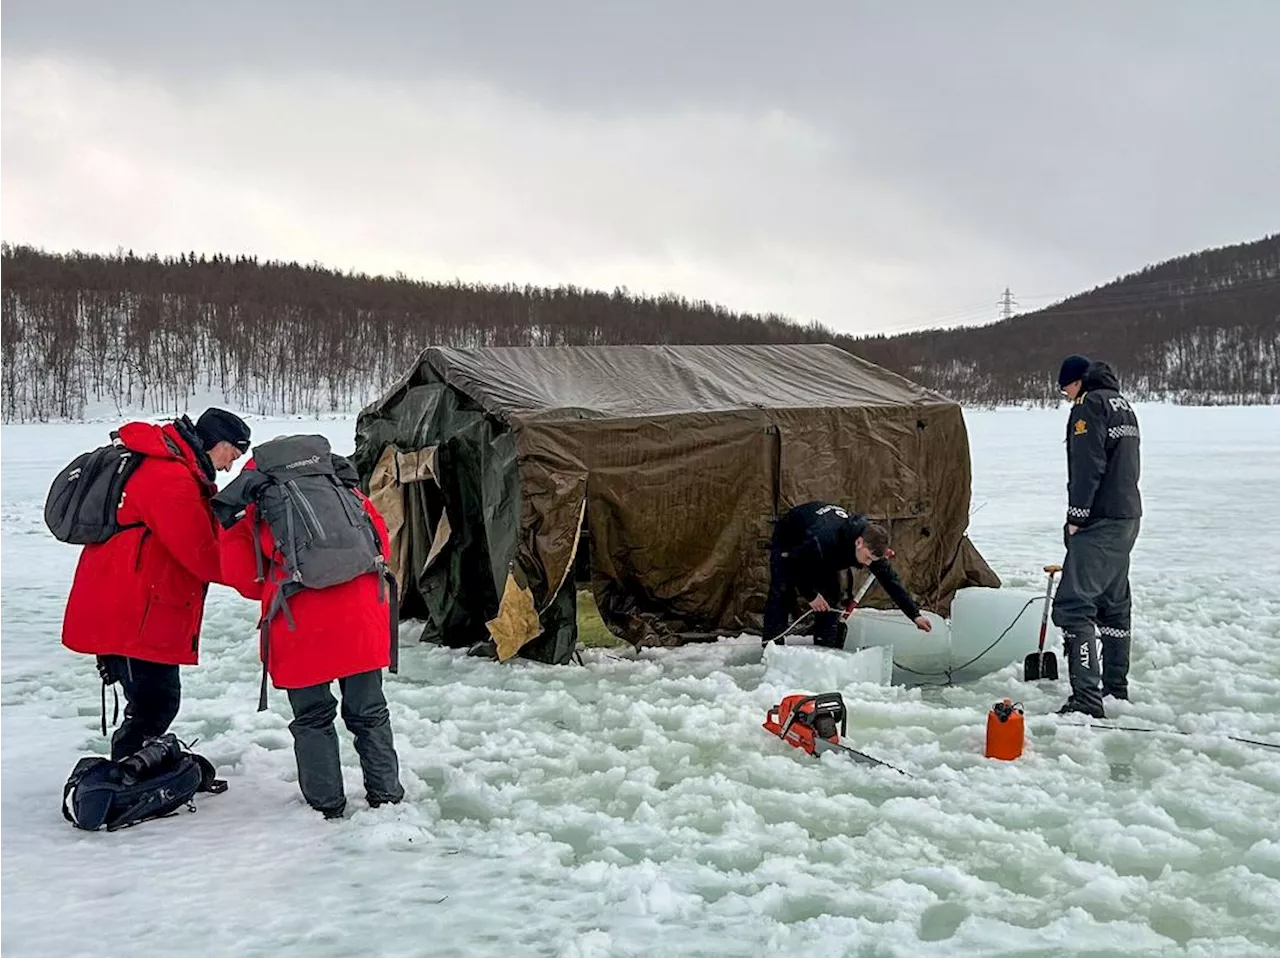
1005 732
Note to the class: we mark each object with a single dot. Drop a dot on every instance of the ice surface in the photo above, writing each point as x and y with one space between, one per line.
636 807
802 665
987 629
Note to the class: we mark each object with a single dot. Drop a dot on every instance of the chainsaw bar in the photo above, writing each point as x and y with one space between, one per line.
822 745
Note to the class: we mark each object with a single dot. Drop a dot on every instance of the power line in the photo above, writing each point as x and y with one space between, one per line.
1120 296
1222 281
1114 301
1120 304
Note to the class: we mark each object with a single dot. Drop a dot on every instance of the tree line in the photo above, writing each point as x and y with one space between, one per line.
83 331
147 332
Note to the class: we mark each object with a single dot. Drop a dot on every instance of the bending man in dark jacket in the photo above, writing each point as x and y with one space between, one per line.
812 544
1103 512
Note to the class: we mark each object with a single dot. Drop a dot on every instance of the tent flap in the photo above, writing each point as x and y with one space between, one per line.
516 622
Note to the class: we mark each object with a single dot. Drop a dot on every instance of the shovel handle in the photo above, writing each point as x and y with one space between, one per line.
1053 570
857 599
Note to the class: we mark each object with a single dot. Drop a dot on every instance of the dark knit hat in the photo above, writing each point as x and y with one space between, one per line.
1073 368
215 425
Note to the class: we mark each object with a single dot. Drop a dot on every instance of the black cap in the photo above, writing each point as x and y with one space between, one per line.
215 425
1073 368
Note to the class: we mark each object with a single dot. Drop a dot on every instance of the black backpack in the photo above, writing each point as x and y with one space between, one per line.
83 499
153 782
305 494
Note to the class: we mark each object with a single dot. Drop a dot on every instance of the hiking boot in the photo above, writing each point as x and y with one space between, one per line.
1071 705
1119 694
379 802
332 814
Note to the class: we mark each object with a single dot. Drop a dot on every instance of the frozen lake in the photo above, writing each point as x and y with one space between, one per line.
636 807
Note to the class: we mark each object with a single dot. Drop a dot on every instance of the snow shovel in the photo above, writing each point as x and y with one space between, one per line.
1042 664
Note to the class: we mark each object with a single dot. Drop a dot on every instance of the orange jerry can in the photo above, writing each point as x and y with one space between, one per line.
1005 732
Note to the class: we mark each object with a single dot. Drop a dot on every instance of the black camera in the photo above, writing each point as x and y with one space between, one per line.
155 755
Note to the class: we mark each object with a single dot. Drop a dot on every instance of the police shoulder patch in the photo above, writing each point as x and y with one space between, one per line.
1081 427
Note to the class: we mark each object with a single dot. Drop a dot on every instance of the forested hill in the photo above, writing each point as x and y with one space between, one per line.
1202 328
85 332
144 332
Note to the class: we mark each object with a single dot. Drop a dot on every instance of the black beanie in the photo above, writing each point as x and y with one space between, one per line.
1073 368
215 425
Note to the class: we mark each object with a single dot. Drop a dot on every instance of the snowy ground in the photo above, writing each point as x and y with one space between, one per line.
637 808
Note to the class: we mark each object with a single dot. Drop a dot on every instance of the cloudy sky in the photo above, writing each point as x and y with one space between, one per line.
872 166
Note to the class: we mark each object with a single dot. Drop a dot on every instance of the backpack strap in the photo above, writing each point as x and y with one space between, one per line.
209 781
115 715
264 632
259 559
278 604
108 678
122 821
393 603
71 811
264 639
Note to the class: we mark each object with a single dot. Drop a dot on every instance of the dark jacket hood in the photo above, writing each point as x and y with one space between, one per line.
1099 376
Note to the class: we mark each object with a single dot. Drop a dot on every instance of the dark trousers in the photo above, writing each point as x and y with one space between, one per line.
315 742
152 693
783 594
1092 607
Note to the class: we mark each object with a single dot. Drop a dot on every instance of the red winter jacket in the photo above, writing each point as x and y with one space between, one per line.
339 631
141 593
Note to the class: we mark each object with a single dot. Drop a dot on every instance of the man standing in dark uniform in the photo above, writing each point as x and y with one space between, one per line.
1103 515
812 544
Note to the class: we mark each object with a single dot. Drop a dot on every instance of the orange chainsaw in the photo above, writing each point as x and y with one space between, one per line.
815 724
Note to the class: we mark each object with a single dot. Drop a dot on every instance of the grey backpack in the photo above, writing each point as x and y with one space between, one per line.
82 501
305 494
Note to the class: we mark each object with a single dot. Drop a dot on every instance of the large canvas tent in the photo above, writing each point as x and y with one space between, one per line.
507 474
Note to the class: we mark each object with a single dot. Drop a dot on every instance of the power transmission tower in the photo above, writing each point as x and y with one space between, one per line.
1007 302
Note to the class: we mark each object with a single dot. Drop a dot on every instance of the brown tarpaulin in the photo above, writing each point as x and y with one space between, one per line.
393 471
684 455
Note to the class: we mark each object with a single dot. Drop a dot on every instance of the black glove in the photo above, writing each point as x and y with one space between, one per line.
229 505
226 516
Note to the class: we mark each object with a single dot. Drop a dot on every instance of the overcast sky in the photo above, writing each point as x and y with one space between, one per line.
871 166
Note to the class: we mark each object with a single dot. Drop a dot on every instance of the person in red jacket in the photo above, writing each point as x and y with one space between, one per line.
339 632
137 600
